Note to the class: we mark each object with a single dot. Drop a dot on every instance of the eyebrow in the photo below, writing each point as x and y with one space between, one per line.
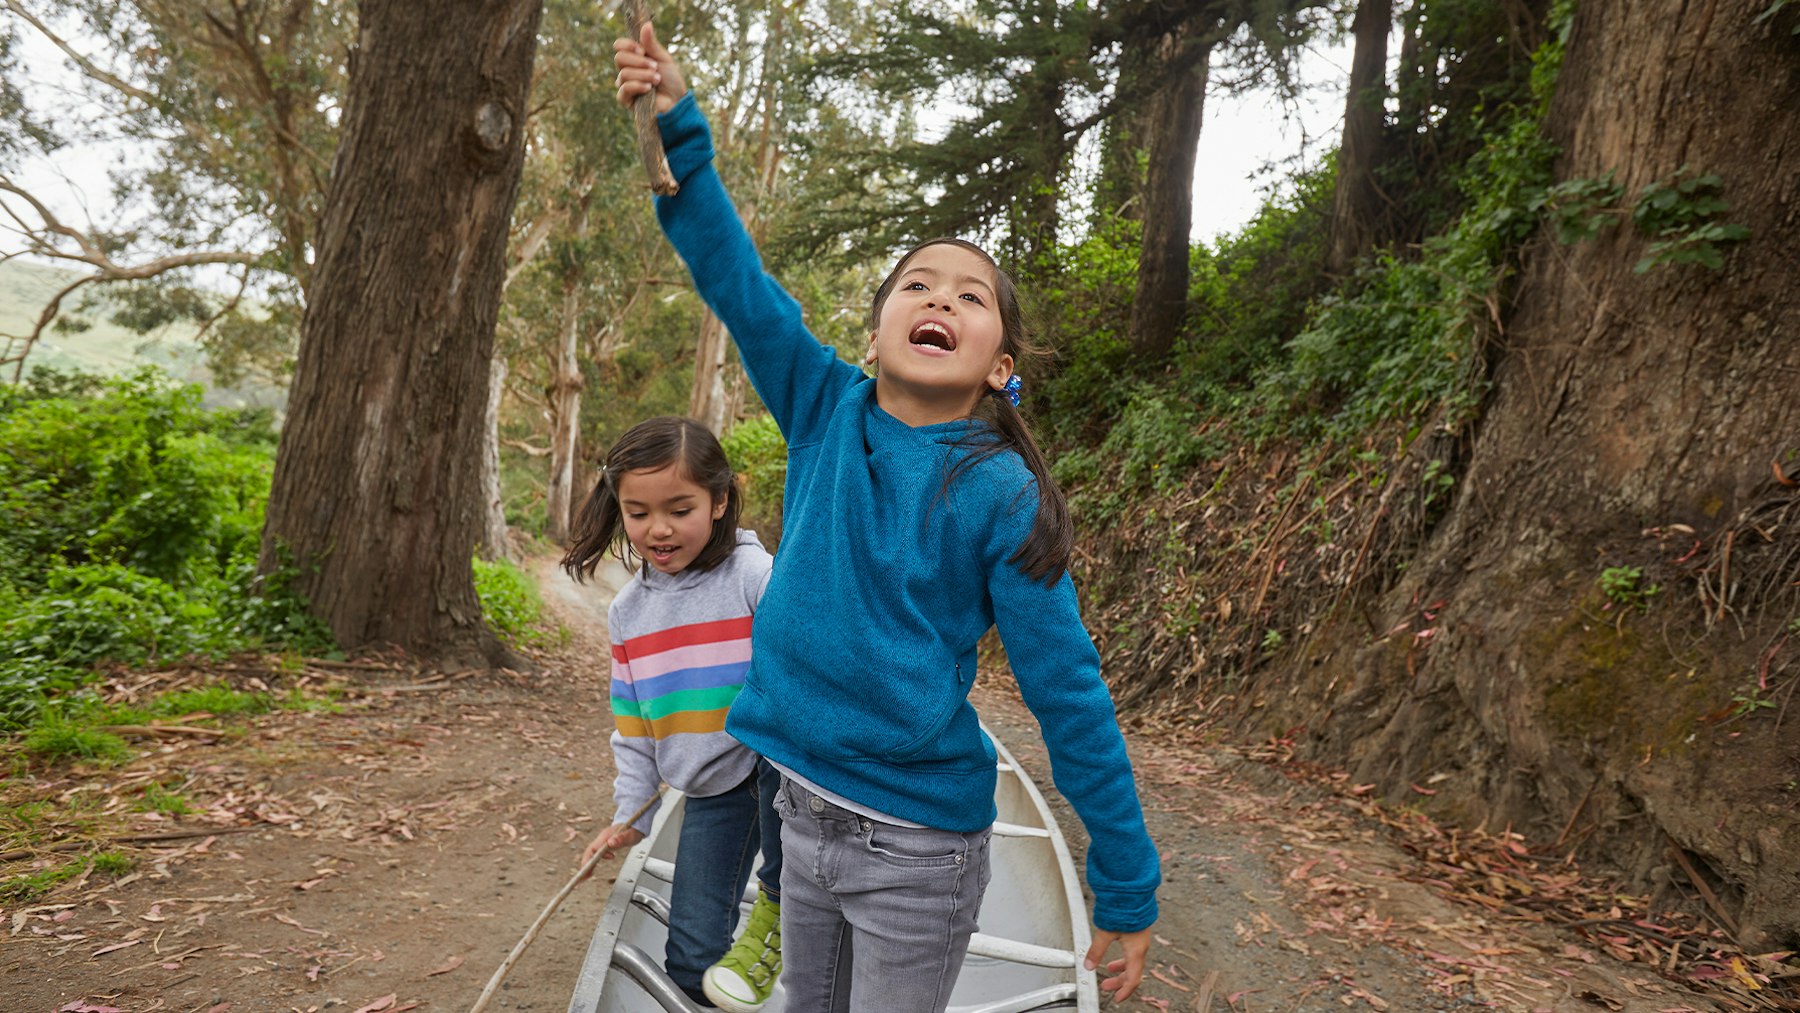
961 279
684 497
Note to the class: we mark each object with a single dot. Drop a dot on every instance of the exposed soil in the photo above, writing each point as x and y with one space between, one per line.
388 857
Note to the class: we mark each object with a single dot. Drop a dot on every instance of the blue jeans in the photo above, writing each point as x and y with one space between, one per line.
877 916
720 835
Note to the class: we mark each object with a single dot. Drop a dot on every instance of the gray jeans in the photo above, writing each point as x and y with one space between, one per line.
873 916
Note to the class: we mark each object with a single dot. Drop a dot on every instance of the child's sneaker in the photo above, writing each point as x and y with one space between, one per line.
742 979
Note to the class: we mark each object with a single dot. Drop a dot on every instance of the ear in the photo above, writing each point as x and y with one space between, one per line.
869 357
719 506
1002 372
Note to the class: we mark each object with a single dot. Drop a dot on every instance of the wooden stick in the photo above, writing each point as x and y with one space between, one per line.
587 867
1712 900
649 139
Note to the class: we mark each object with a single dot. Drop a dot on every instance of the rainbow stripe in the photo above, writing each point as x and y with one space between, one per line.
679 680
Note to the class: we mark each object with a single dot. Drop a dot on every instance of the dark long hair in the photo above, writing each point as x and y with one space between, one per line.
1045 553
652 445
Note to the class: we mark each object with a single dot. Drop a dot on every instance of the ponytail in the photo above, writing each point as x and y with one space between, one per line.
597 528
1044 556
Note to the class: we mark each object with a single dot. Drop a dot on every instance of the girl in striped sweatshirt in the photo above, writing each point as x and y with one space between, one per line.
680 635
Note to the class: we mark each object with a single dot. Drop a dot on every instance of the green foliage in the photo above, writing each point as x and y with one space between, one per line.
1680 214
31 885
158 799
1253 292
1748 701
1624 587
1579 208
509 600
57 738
758 455
218 700
135 473
1157 440
1079 306
28 886
132 530
1407 336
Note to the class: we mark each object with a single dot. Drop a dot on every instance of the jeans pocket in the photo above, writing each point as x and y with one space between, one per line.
915 846
784 800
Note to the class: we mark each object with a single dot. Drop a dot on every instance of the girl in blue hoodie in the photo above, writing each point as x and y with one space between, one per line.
919 514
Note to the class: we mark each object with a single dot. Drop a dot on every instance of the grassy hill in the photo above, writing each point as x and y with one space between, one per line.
107 348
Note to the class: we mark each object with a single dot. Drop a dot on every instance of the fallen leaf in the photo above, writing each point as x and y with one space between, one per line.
80 1006
116 946
449 965
1594 998
385 1002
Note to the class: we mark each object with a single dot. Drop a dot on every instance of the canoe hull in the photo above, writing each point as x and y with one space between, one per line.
1027 955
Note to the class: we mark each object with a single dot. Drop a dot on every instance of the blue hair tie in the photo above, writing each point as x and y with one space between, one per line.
1012 388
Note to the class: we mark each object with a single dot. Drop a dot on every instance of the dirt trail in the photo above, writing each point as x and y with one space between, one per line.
402 847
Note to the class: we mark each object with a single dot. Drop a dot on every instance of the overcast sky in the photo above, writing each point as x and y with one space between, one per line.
1241 135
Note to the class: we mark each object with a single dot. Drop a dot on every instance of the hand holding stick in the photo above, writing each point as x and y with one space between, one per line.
582 873
643 110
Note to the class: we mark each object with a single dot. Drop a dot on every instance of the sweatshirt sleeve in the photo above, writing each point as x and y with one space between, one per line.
796 376
1058 672
633 746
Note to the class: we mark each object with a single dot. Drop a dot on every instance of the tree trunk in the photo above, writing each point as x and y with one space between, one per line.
494 543
1176 114
565 418
377 486
708 402
1642 420
1358 205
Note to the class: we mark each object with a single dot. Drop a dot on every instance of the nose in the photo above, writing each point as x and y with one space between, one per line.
939 304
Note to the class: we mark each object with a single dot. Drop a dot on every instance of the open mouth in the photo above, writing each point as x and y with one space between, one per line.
930 332
662 553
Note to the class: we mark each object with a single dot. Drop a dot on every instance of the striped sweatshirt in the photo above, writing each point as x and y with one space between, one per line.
680 647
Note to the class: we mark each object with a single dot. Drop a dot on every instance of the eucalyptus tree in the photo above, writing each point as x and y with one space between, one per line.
235 104
375 497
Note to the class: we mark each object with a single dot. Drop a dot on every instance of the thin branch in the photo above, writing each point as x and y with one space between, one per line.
88 67
526 447
529 247
40 240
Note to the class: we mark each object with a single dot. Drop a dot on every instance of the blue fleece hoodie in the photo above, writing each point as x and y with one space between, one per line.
863 646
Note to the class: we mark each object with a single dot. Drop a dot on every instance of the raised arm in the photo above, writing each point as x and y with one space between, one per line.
796 376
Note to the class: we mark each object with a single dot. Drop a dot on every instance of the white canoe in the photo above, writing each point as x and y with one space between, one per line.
1027 955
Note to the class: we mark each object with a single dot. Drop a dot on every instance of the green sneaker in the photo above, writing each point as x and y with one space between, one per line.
742 979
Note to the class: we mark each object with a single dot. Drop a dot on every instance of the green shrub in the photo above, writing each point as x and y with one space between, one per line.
129 471
759 456
1157 439
104 612
509 600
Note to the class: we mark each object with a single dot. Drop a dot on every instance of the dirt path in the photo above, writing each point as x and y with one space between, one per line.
399 849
